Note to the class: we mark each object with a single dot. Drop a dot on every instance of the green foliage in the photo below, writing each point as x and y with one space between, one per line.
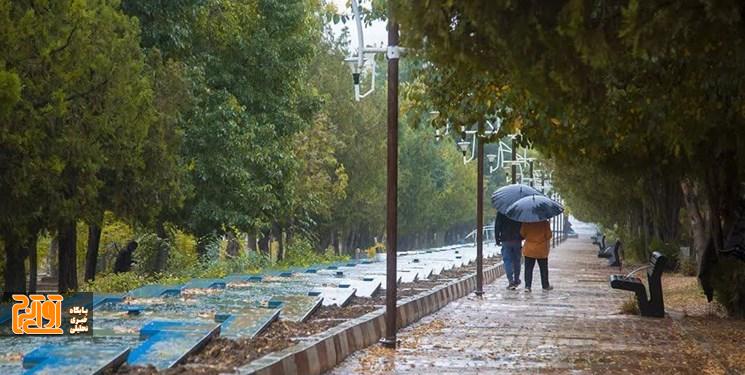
184 252
10 91
73 140
634 249
117 282
115 234
669 250
251 262
630 306
203 117
688 267
300 253
728 280
151 254
637 103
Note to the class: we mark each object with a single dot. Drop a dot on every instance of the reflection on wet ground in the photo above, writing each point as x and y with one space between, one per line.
575 328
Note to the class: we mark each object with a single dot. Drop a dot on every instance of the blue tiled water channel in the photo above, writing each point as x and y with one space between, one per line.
161 324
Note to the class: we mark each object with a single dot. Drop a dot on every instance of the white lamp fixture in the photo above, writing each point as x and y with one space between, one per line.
463 146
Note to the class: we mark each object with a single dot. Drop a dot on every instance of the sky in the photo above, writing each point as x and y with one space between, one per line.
374 34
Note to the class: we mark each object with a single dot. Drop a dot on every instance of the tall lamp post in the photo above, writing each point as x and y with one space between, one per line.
392 192
480 211
357 62
478 154
514 159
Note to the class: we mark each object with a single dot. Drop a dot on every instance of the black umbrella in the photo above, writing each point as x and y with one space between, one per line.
507 195
533 209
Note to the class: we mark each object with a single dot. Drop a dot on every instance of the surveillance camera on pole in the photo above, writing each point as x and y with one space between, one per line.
362 54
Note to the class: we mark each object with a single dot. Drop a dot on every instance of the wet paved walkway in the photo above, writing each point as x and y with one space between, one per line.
576 328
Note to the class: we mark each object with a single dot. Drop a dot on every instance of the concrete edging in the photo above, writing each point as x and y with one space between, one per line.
320 353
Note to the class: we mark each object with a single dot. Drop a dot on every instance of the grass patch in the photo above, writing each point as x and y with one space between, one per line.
630 306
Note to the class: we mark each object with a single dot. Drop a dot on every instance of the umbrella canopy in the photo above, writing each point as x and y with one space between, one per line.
533 209
507 195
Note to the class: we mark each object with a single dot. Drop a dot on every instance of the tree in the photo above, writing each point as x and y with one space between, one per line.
84 106
647 87
245 62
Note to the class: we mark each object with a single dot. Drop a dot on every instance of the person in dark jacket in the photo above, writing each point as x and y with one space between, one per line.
123 261
507 234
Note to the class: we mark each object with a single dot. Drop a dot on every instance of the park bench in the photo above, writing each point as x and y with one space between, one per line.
650 304
613 254
600 241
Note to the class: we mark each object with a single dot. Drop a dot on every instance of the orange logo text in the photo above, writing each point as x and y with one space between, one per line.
37 314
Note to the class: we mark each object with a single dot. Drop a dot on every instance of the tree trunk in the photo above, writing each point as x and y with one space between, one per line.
68 266
234 248
15 268
277 235
699 232
282 244
202 248
349 240
715 218
251 242
335 240
33 263
161 261
52 256
264 243
91 255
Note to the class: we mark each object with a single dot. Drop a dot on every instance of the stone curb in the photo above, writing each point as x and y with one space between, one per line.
320 353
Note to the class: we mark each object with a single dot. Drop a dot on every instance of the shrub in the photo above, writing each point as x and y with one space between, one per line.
373 250
301 253
634 250
183 264
116 282
152 254
669 250
630 306
687 267
728 281
212 245
183 255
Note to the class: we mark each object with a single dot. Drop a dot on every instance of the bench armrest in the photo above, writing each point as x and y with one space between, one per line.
642 268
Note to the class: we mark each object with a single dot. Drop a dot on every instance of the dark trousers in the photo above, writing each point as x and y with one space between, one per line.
542 265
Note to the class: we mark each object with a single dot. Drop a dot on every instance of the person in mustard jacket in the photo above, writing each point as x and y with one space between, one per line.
537 236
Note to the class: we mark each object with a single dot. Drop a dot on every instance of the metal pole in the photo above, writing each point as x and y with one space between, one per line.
514 158
558 230
391 229
532 184
560 218
553 227
558 226
480 213
558 239
563 224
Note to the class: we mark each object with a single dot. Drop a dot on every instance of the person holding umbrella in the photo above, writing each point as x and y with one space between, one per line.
507 230
507 234
537 237
533 212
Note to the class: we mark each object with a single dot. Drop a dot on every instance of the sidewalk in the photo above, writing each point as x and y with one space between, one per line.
576 328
